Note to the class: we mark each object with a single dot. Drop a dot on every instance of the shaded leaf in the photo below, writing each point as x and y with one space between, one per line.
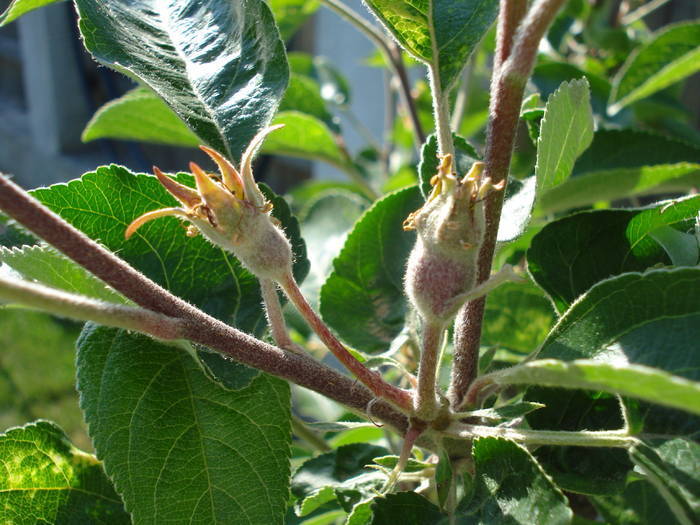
204 451
441 33
670 56
45 265
339 475
304 95
363 298
413 465
335 88
570 255
565 132
639 504
512 487
673 468
548 76
20 7
407 508
45 479
220 66
139 115
620 163
506 412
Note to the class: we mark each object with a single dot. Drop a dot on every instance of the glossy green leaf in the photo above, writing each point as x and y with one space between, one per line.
429 162
20 7
511 487
565 132
45 479
191 268
220 66
620 163
363 298
139 115
673 467
45 265
603 315
291 14
306 137
643 382
570 255
340 476
441 33
506 412
670 56
518 317
203 451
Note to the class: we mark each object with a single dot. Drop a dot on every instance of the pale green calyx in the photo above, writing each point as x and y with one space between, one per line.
232 213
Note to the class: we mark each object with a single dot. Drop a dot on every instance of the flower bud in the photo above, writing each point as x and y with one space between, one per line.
450 227
232 214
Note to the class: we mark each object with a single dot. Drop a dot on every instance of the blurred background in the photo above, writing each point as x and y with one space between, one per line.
50 88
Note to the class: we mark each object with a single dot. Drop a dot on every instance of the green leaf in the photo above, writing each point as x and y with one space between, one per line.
20 7
335 88
506 412
670 56
465 153
47 266
413 465
570 255
45 479
304 95
363 298
441 33
340 475
517 317
406 508
306 137
291 14
682 248
176 443
220 66
621 163
639 504
565 132
638 381
673 468
513 488
548 76
139 115
191 268
603 315
327 221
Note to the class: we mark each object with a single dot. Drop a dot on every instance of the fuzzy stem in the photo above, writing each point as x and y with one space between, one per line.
408 441
582 438
305 433
441 111
198 326
392 58
507 89
273 312
426 402
462 95
374 381
80 308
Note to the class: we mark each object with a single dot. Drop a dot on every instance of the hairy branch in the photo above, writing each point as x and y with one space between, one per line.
507 89
80 308
196 325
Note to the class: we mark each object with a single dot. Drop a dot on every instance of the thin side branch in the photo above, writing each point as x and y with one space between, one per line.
197 326
275 317
507 90
80 308
583 438
373 380
426 402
